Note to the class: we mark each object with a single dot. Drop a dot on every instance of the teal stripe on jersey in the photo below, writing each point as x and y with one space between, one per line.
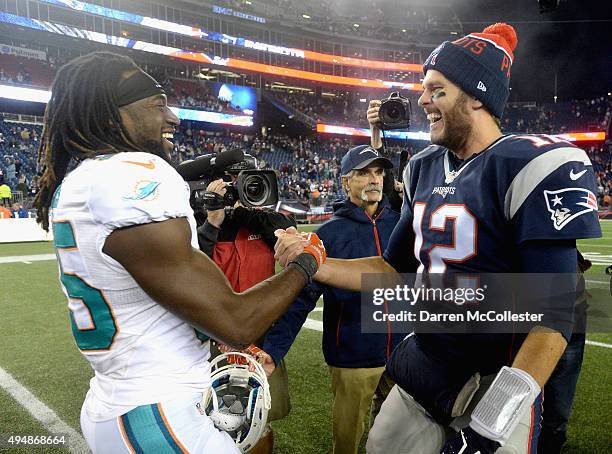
63 236
56 196
148 431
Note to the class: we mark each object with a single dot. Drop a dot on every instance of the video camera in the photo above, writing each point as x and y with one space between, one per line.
252 186
394 112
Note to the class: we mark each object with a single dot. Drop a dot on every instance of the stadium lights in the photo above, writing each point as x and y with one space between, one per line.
43 96
421 135
200 33
201 57
24 94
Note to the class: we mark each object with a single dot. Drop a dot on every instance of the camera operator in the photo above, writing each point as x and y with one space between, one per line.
240 240
392 188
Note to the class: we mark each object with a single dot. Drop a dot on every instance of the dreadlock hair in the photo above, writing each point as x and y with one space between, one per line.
81 120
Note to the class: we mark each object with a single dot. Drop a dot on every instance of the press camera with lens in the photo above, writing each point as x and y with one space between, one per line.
246 183
394 112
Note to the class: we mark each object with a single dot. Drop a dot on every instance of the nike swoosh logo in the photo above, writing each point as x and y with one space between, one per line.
147 165
575 176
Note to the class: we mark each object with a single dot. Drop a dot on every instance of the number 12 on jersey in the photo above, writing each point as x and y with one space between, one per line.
464 235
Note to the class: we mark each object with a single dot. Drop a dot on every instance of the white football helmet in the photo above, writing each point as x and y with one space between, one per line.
238 400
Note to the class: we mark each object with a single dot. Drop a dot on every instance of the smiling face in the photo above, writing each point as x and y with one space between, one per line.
447 110
150 124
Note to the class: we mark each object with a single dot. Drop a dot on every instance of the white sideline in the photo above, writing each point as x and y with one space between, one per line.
43 414
27 258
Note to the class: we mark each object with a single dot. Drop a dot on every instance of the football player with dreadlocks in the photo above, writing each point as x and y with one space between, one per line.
136 283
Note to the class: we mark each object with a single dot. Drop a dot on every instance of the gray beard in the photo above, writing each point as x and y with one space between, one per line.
364 196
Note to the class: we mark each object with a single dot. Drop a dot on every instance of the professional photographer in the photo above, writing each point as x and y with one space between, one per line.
240 240
395 115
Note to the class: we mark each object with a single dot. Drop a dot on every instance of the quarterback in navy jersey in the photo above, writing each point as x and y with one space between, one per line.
484 215
518 189
475 201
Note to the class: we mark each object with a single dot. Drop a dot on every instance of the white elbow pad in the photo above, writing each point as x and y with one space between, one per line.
500 410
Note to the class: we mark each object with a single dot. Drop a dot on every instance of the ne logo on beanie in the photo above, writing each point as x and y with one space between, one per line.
480 64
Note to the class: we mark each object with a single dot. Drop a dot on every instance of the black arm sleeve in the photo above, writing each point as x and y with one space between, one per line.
395 200
208 235
263 222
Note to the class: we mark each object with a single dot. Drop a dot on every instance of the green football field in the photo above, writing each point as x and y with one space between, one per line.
38 351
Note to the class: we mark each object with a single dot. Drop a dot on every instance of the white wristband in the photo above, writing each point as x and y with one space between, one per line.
500 410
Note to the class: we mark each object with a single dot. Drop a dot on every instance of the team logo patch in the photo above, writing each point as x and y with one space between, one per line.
369 150
144 190
431 60
567 204
443 190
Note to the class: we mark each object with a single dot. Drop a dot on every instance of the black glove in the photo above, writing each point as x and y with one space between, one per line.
467 441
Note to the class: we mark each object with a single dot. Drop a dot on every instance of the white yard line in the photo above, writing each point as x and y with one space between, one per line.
43 414
598 344
27 258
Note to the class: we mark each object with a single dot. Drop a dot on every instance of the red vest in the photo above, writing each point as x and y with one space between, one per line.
246 261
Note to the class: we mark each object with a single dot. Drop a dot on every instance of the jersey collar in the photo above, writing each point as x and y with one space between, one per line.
451 175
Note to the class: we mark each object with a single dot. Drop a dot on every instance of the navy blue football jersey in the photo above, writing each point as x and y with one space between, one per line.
470 216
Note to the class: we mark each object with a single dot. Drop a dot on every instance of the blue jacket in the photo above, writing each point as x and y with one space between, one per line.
350 233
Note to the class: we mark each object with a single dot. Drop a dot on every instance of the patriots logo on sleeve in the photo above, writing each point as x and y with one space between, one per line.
567 204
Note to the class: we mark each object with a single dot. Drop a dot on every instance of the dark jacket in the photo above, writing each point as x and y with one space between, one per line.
261 222
350 233
243 248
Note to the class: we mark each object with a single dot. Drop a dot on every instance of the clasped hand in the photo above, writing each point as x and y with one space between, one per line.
291 243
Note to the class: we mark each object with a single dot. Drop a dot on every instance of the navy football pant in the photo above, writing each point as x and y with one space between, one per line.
559 396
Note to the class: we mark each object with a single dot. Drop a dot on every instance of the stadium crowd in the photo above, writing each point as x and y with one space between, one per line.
345 107
187 94
373 20
308 167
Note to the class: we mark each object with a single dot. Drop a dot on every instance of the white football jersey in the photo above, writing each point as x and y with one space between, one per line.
141 353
